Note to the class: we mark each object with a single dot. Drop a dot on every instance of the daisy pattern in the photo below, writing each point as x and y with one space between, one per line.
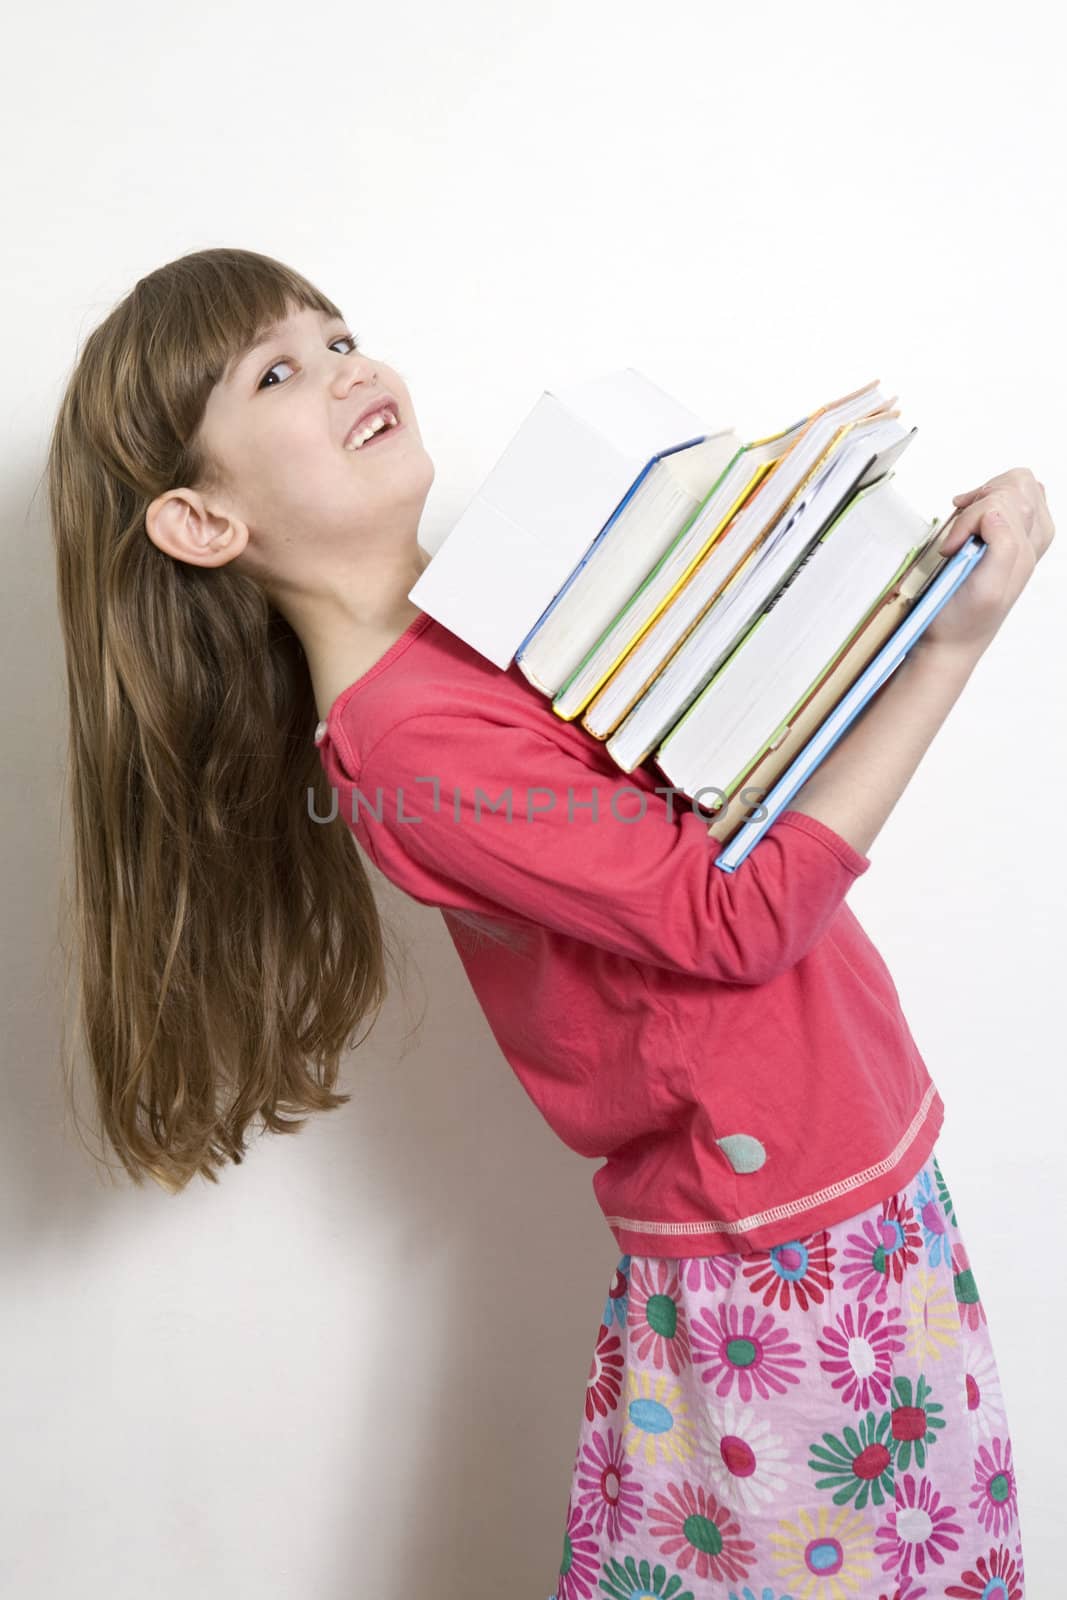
882 1250
657 1419
857 1466
606 1488
743 1459
930 1312
710 1386
919 1531
931 1219
982 1391
640 1580
971 1309
913 1420
994 1480
604 1383
710 1273
738 1344
615 1309
800 1270
581 1560
824 1555
996 1575
656 1323
694 1530
859 1349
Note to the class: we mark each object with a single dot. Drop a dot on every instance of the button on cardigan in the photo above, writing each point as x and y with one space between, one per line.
731 1046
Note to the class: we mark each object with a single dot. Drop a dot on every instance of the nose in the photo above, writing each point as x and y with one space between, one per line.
354 369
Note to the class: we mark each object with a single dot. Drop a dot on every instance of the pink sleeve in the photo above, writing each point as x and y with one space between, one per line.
642 886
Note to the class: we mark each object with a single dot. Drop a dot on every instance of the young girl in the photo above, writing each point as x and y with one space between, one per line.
793 1390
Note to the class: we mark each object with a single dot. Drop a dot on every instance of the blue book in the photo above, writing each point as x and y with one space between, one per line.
878 670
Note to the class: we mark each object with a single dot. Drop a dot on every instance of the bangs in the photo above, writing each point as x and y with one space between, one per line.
206 310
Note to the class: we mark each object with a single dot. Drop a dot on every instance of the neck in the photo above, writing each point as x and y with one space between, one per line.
341 644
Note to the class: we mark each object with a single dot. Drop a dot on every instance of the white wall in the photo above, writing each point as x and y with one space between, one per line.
324 1378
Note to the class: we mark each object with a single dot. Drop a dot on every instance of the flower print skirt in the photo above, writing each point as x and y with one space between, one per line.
820 1421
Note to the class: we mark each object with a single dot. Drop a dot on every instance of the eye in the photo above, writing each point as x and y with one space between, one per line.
342 338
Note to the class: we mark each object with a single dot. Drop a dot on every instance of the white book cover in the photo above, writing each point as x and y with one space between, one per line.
572 461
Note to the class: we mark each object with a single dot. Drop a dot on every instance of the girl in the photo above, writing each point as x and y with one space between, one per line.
793 1389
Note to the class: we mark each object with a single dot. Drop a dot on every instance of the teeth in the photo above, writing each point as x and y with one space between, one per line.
381 419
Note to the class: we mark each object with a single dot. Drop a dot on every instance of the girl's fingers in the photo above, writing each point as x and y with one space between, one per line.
984 517
1006 538
997 575
1018 498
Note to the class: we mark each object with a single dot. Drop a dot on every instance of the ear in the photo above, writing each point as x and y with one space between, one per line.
181 524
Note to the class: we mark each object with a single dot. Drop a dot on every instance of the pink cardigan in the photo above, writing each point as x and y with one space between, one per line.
731 1045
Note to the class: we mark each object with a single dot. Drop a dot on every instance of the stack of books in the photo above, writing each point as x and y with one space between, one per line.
714 610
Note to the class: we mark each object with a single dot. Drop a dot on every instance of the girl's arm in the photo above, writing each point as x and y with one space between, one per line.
471 813
856 787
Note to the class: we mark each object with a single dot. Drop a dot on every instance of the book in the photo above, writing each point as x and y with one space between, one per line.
703 605
579 456
829 687
714 739
605 648
637 537
953 571
709 614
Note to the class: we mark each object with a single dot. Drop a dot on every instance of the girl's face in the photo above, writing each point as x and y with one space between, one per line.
277 424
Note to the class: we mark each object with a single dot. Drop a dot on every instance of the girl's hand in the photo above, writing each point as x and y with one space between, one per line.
1011 515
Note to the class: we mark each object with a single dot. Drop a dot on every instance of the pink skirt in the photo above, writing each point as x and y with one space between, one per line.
821 1421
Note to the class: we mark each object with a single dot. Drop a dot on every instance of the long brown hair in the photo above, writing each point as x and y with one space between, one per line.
229 946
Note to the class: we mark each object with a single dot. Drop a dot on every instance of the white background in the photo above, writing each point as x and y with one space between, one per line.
358 1365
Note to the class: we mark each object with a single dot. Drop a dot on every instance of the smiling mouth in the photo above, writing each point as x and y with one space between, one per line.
375 438
386 410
